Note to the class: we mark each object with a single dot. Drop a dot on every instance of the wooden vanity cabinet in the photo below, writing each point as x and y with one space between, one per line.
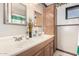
46 51
43 49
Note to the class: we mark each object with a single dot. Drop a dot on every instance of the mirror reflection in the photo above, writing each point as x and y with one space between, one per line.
38 24
38 19
16 13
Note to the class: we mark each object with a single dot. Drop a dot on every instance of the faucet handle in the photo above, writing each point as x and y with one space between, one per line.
20 38
15 38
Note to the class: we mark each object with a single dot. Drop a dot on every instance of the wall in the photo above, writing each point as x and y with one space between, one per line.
67 38
67 35
78 37
61 16
9 30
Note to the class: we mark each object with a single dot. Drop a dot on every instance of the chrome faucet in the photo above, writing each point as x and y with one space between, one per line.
17 38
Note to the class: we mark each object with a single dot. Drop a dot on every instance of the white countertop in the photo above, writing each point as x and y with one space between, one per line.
9 48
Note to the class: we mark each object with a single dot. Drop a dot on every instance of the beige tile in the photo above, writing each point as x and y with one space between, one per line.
59 53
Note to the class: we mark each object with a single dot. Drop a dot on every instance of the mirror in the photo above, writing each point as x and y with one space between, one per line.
15 13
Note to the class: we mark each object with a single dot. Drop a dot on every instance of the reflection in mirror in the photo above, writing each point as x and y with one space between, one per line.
38 19
38 24
15 13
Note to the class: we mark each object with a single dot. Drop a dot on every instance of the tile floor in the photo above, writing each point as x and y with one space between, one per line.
60 53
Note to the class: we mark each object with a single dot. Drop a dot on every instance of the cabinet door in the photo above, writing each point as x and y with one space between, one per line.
40 53
51 48
47 50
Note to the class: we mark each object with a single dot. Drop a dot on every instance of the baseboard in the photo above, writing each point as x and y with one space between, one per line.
67 52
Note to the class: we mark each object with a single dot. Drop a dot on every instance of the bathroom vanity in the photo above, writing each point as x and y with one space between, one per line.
44 48
43 40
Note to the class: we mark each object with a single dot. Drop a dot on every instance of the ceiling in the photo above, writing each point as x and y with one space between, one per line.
57 4
48 4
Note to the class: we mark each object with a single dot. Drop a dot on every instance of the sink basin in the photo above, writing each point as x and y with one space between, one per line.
8 45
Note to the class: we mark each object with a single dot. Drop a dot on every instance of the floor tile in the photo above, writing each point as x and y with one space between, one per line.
59 53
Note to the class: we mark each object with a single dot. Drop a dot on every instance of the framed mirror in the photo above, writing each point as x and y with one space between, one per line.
15 13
